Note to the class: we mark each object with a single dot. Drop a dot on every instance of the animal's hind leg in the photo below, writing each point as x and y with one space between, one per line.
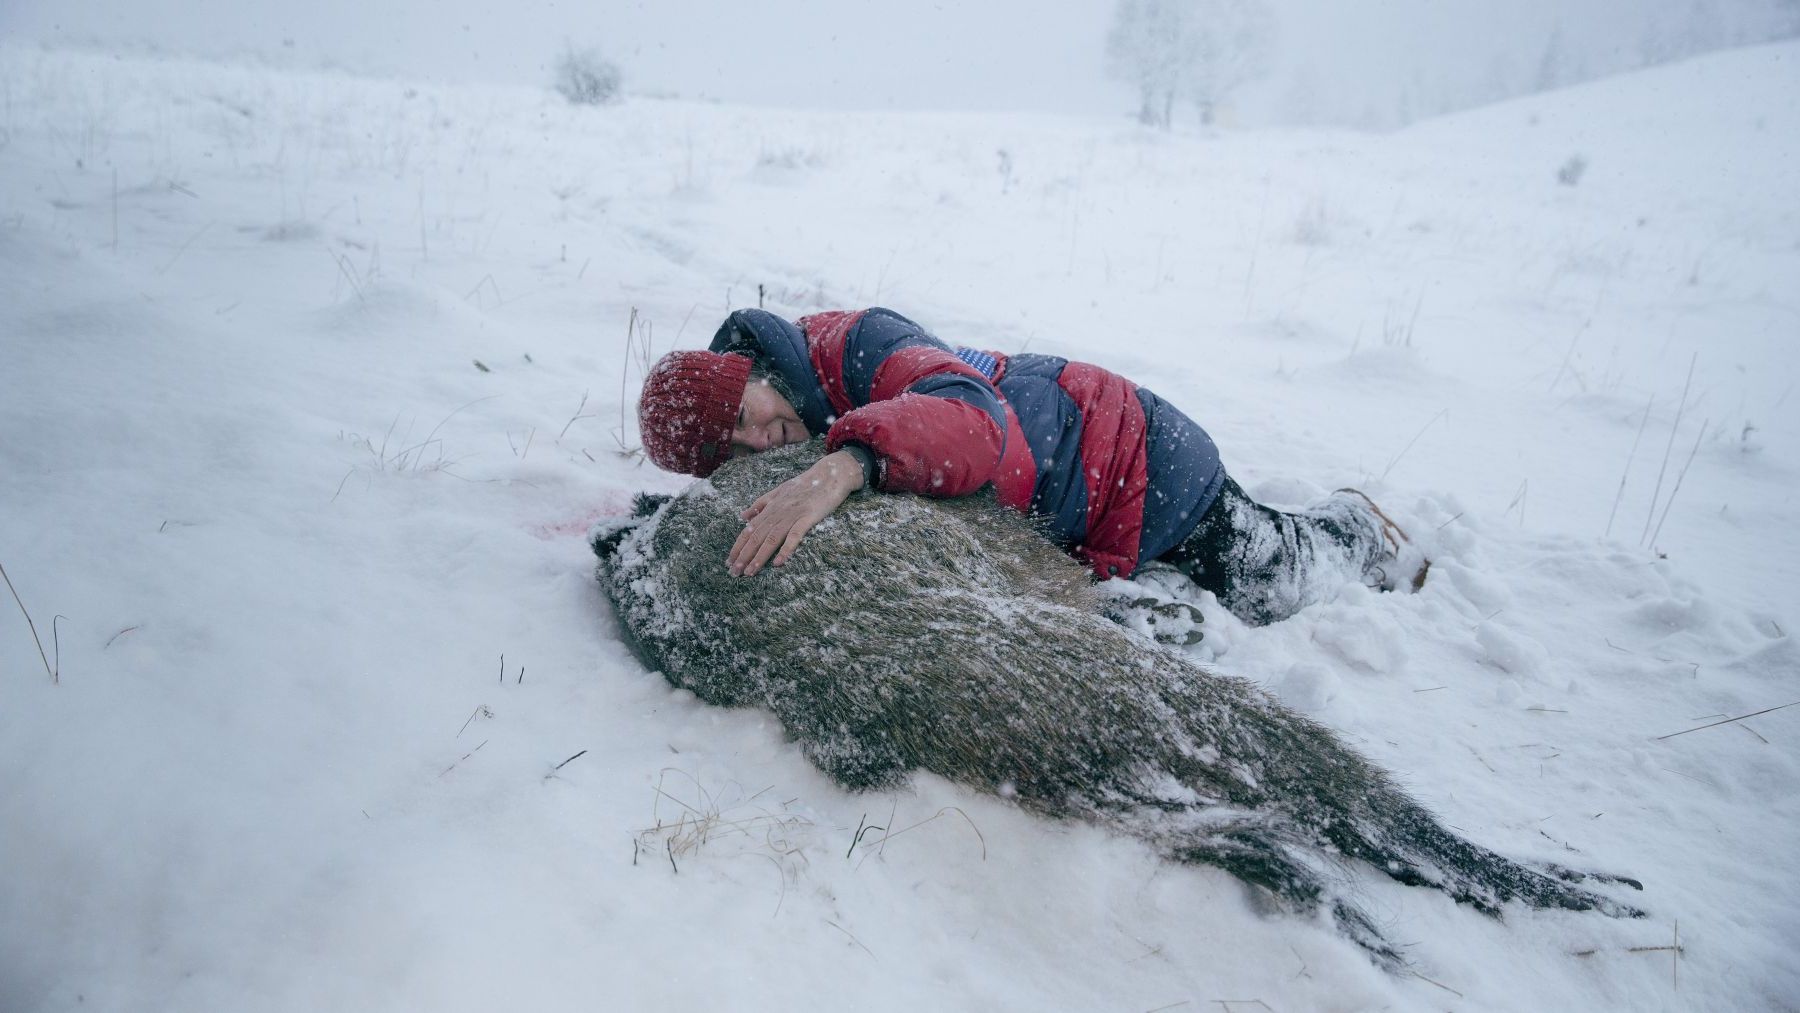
1255 857
1352 921
1431 855
1569 875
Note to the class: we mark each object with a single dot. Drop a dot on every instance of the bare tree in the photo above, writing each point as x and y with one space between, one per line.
1550 70
1198 50
1229 44
1144 48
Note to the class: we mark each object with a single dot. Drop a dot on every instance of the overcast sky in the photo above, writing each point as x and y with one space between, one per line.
1335 60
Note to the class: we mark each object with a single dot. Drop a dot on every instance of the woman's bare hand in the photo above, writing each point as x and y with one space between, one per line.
782 516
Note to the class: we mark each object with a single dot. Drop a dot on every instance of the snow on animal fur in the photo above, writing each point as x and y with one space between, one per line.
949 636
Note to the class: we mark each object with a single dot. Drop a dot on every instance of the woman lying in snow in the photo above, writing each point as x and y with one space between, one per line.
1117 474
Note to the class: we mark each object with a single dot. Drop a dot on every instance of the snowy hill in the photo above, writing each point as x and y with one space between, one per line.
310 386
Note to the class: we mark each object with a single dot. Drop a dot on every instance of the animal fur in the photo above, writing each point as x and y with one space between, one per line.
948 635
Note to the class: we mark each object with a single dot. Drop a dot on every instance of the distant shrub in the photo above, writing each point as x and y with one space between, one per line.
1199 50
1313 227
789 157
586 78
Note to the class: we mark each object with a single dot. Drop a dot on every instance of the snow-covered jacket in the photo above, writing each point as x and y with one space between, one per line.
1118 474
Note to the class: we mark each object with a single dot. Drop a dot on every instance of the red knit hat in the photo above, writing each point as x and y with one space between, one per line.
689 407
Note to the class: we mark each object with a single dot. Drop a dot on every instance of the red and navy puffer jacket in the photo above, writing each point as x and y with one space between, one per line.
1119 475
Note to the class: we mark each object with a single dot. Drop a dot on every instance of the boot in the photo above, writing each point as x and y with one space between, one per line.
1399 563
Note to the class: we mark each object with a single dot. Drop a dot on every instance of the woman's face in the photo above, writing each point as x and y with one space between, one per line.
765 421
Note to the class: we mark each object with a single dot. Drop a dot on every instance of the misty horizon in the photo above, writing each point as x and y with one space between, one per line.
1380 65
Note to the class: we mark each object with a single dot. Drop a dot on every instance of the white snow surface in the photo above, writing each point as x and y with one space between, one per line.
247 454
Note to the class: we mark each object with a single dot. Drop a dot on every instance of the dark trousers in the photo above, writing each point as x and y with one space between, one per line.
1264 564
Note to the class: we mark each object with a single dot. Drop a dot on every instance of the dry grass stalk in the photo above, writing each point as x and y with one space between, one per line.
1654 535
575 417
53 671
480 711
852 938
1675 948
343 266
1441 985
1620 495
119 634
1657 492
191 241
461 758
881 845
412 458
1727 721
631 329
781 838
1409 446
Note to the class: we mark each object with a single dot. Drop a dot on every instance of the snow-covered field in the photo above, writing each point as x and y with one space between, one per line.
310 386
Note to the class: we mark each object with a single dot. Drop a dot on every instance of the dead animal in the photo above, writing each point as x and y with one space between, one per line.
949 636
